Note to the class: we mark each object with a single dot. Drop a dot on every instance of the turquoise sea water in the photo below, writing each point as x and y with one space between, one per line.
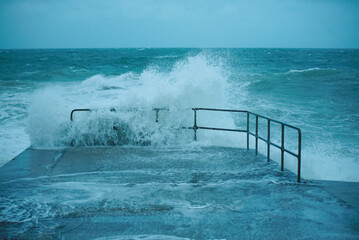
314 89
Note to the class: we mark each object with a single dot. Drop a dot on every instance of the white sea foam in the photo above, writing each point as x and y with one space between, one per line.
303 70
310 70
13 138
193 82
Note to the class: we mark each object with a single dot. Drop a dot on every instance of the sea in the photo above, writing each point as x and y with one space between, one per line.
316 90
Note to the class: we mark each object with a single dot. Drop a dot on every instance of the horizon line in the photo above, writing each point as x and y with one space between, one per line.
64 48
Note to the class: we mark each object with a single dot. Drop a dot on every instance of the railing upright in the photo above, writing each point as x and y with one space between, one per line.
256 134
299 152
268 141
247 130
282 150
157 110
195 124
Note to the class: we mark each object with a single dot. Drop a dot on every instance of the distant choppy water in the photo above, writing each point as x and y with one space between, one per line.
316 90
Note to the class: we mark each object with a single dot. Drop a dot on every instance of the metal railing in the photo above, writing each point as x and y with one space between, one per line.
78 110
255 134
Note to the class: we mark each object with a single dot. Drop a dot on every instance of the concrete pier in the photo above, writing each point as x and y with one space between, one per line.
192 192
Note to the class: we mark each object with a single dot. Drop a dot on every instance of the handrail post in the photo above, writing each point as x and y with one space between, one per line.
282 150
268 142
247 130
256 134
299 152
195 124
157 110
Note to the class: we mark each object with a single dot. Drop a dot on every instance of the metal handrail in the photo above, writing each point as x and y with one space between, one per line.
256 135
247 131
78 110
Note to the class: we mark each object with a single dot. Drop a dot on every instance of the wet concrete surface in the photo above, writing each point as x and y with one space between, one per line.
168 193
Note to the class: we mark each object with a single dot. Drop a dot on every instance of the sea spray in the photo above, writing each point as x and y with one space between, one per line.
122 107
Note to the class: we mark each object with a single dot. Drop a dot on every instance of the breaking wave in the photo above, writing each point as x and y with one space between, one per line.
122 107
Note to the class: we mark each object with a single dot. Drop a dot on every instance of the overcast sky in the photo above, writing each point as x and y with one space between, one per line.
180 23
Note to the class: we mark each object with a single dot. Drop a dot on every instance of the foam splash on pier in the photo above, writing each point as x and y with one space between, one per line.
122 107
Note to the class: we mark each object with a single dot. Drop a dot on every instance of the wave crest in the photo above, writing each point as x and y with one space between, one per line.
193 82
